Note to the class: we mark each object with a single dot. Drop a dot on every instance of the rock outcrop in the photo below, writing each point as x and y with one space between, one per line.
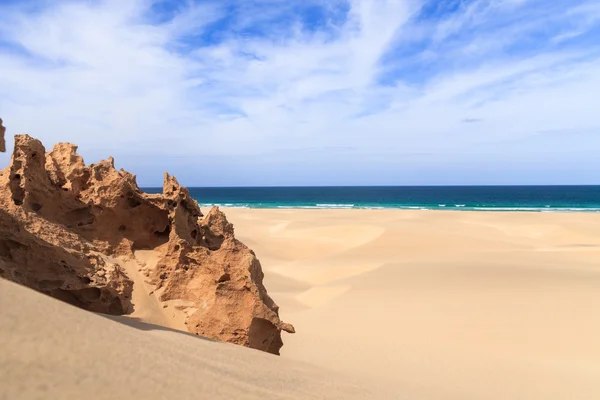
67 269
2 140
64 226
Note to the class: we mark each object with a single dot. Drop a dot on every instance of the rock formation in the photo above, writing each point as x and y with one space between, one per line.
2 141
64 226
69 271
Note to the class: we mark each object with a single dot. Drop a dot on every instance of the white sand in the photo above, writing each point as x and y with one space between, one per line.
386 304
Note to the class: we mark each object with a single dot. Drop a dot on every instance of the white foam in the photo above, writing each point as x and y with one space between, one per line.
228 205
461 207
537 209
300 207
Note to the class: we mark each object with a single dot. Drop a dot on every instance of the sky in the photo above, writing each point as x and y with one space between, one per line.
311 92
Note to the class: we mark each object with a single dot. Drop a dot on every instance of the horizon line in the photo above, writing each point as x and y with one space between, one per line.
375 186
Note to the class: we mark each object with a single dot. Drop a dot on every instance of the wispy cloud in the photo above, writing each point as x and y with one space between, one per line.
208 89
471 120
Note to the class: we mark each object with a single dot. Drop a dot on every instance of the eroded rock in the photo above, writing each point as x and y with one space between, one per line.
75 274
230 278
84 216
2 140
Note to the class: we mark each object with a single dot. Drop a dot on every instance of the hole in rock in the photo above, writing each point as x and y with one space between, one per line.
133 202
115 307
36 207
7 246
88 295
16 177
80 217
165 233
122 228
194 233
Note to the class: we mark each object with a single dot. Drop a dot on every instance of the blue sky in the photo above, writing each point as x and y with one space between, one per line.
312 92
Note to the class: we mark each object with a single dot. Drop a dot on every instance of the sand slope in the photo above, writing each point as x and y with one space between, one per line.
51 350
438 305
387 304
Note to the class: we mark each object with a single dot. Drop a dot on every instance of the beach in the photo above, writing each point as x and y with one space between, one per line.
52 350
438 304
387 304
294 200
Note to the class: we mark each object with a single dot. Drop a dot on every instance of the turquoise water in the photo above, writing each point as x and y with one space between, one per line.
481 198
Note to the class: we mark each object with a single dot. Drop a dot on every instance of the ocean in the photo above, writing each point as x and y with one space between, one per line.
479 198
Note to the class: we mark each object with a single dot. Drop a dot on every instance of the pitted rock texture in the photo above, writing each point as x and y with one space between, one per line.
63 224
75 274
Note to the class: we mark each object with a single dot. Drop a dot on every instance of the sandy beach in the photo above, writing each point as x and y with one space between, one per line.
295 200
51 350
438 305
386 304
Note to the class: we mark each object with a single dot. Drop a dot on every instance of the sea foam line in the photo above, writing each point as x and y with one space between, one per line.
440 207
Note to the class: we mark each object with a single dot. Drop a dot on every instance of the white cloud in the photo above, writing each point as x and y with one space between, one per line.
244 108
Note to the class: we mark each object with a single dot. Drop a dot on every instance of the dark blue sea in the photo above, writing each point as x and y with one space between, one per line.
480 198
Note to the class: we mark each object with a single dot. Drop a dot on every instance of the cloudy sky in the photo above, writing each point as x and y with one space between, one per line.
311 92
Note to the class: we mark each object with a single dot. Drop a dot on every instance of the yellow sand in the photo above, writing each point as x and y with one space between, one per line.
438 305
51 350
386 304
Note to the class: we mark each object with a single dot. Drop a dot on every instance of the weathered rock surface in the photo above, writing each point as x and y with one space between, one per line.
63 225
2 140
75 274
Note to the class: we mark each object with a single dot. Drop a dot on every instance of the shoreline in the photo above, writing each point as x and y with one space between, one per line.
500 210
461 198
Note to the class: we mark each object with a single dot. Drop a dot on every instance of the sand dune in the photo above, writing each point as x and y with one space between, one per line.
439 305
51 350
386 304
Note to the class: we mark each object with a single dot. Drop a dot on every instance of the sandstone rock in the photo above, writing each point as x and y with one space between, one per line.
44 255
230 278
83 216
81 277
2 140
